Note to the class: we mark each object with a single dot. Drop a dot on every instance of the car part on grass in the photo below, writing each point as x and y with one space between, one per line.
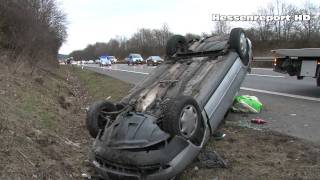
217 135
161 126
246 103
211 159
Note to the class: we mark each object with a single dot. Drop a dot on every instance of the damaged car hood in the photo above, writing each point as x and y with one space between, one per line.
133 131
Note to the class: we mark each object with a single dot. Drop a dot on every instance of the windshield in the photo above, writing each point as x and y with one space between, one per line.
104 59
156 58
136 55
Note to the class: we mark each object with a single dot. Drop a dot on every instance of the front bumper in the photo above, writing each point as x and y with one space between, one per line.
134 147
155 62
113 171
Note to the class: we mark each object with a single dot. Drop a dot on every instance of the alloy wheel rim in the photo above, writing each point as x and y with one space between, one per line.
188 121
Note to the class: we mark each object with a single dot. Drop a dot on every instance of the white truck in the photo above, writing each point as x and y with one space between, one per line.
298 62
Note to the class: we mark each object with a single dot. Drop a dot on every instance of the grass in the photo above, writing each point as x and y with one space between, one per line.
48 119
39 101
101 86
35 121
37 106
29 103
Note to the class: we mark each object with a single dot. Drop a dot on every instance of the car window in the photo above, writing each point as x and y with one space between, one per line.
136 55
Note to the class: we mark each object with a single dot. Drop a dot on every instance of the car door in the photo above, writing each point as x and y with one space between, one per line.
222 98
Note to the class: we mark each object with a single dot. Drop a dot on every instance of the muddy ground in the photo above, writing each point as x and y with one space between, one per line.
260 154
43 134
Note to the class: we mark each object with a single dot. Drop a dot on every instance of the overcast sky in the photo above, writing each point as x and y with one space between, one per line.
92 21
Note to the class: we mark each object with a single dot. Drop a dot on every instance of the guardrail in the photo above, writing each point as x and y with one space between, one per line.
263 58
262 62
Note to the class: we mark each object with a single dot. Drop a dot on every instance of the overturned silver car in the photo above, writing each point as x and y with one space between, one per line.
161 126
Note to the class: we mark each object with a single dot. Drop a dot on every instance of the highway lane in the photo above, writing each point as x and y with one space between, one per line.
260 79
284 83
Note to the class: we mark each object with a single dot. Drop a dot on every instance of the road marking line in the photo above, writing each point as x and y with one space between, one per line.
269 69
137 72
281 94
264 75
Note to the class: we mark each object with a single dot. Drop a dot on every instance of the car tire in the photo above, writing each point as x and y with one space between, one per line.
95 121
239 43
182 117
176 44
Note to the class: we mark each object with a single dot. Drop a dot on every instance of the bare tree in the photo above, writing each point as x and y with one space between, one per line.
33 29
221 27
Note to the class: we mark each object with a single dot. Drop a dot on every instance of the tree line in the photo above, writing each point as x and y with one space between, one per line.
265 35
145 41
287 34
32 31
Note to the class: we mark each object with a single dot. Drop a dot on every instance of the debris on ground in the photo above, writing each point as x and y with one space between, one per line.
252 155
246 104
218 135
210 159
258 121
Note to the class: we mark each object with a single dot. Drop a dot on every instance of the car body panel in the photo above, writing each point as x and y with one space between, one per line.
135 147
222 98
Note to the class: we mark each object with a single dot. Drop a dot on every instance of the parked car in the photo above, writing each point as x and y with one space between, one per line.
154 60
134 59
158 129
113 59
90 62
97 61
105 61
74 62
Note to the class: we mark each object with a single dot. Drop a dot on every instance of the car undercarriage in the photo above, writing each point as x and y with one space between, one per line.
159 128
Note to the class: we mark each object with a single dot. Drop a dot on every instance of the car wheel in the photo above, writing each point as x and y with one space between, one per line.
96 117
238 42
182 116
176 44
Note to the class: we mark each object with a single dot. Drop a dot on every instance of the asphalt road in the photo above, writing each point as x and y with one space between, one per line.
260 79
291 106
